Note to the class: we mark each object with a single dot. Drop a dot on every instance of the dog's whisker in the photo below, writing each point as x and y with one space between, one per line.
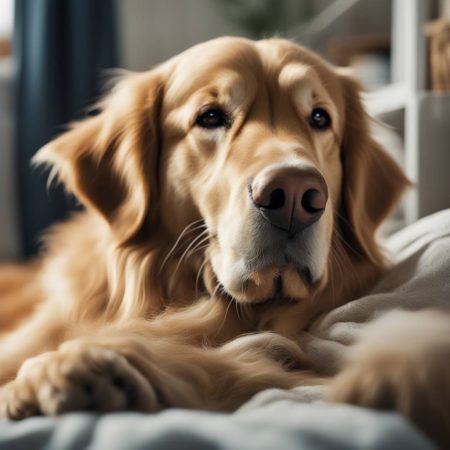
187 229
199 246
219 329
195 241
237 309
216 289
199 274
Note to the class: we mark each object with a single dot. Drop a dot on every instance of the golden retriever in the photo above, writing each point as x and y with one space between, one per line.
231 196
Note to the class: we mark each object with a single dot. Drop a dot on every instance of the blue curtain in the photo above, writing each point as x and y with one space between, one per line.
62 48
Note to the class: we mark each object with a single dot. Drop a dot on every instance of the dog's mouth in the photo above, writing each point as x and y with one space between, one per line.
280 272
271 285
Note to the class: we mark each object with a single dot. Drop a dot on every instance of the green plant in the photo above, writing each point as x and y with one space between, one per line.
262 18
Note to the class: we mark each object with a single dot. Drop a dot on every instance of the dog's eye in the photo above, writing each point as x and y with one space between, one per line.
319 119
212 118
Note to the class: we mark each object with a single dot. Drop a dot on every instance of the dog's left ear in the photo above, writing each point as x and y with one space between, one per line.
372 182
109 160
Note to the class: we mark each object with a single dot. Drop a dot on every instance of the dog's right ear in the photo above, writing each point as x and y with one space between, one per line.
373 182
109 160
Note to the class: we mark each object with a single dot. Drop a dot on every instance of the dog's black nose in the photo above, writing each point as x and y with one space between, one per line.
290 198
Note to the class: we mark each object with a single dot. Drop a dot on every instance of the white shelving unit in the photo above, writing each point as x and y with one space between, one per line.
409 65
426 114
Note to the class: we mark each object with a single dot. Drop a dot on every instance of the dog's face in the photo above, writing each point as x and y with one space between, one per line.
262 142
256 155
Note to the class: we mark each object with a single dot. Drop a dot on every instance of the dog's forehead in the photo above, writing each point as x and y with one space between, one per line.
200 65
289 62
279 52
235 51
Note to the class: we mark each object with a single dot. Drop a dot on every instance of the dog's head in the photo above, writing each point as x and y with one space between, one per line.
259 151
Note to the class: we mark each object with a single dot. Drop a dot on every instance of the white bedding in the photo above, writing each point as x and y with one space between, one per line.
276 419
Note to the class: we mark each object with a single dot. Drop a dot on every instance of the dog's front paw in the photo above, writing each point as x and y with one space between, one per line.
403 364
76 378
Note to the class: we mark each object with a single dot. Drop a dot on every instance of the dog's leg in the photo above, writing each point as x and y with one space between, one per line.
212 320
128 367
402 364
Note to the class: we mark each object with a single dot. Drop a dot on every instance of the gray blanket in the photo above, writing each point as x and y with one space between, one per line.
282 425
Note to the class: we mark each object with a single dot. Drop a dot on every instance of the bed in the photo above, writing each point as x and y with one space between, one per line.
277 419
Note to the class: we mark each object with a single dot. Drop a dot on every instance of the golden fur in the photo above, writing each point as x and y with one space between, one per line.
139 302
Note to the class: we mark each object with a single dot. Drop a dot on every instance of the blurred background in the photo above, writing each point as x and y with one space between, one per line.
55 56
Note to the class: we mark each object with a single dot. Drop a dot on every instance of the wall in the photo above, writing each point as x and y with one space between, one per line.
153 31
